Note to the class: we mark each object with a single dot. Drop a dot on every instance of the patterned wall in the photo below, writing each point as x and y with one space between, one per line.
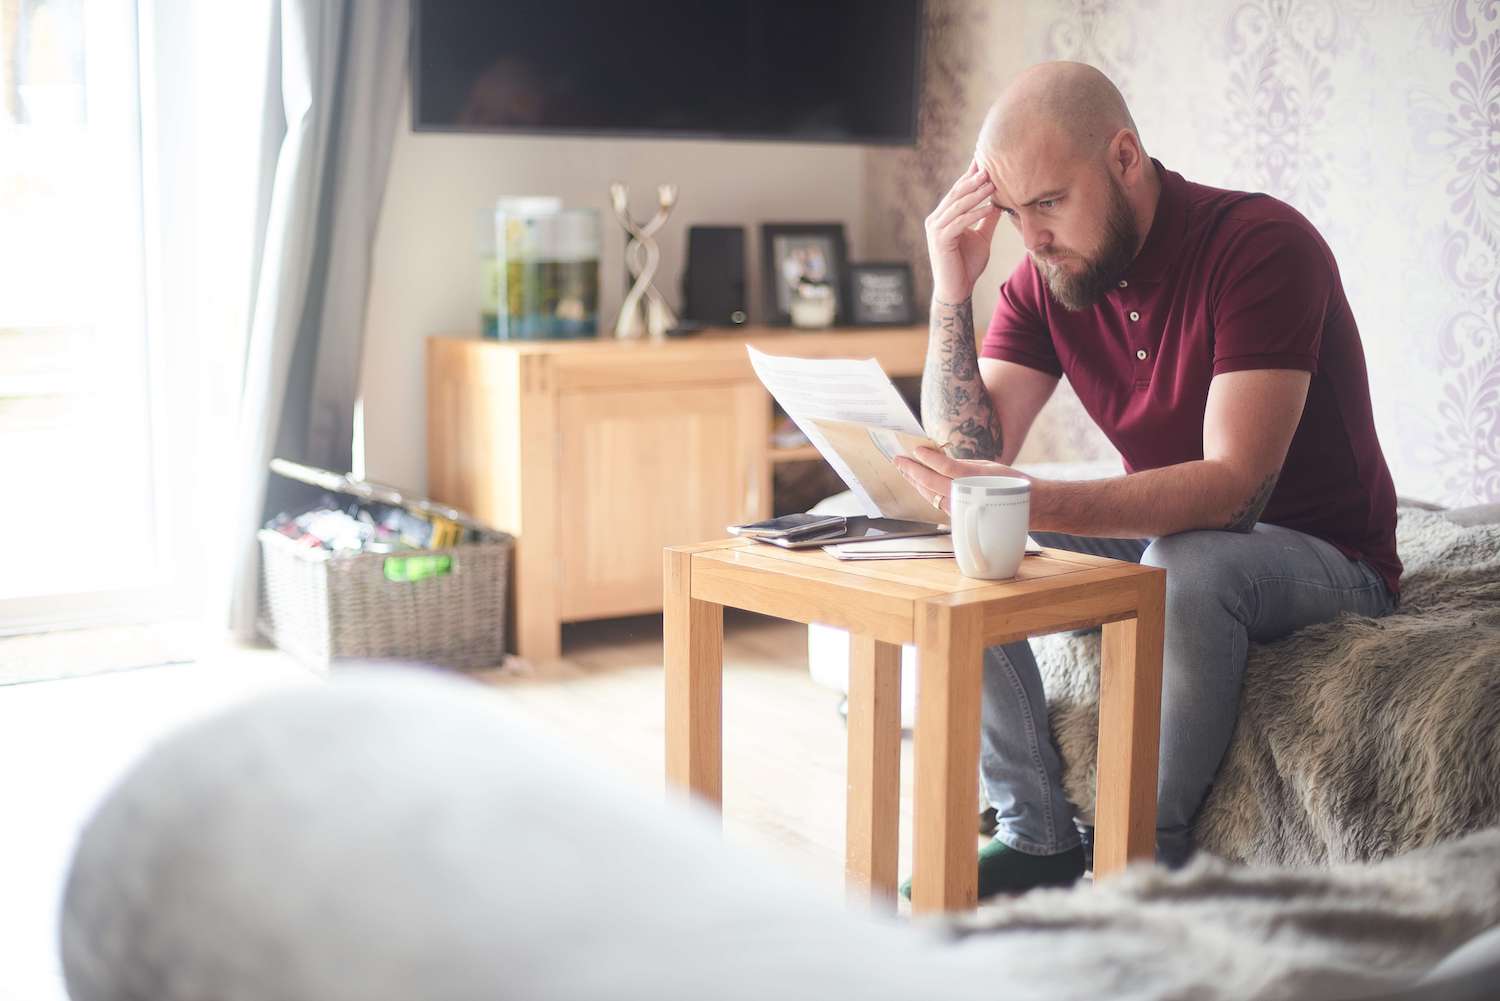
960 74
1380 121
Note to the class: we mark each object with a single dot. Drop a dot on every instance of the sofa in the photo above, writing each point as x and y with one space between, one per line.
405 834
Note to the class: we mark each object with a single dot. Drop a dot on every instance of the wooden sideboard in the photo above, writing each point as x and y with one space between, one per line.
598 454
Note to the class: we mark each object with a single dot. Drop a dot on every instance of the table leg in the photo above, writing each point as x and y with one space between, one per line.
945 844
1129 733
872 821
693 641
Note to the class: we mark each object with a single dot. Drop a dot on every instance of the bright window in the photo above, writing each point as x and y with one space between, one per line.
77 463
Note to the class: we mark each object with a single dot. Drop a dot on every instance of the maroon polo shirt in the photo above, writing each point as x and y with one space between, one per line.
1226 281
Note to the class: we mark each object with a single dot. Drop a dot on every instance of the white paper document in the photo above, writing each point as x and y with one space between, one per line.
853 414
921 547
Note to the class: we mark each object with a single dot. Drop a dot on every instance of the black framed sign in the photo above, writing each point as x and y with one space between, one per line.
802 261
880 294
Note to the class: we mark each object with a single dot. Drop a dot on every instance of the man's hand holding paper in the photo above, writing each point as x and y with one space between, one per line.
870 454
853 415
932 472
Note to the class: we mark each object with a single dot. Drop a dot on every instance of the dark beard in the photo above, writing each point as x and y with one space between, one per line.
1121 235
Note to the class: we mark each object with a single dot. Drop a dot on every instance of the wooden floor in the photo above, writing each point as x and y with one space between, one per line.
784 741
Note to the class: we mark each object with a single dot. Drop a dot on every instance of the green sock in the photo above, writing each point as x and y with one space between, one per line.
1003 869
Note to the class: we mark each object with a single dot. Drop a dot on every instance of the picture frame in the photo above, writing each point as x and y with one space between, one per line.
811 257
880 295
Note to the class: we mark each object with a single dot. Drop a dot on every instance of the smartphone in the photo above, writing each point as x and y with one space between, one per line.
859 528
790 525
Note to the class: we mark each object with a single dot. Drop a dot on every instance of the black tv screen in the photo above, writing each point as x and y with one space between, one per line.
811 71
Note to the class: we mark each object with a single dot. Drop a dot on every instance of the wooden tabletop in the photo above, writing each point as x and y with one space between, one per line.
1057 589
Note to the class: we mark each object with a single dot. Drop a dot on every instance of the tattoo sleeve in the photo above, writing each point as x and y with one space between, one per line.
956 408
1249 513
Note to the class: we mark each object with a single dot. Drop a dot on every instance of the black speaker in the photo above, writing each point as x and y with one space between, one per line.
713 282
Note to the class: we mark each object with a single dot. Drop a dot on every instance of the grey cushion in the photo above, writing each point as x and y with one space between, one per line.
1480 954
1424 505
1475 514
1469 973
1479 514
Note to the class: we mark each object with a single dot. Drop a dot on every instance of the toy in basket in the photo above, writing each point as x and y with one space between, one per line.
368 573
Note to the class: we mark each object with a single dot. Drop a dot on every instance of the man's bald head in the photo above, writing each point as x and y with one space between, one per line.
1070 102
1066 167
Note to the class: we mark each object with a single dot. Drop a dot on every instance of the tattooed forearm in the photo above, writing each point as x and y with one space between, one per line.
956 408
1249 513
971 439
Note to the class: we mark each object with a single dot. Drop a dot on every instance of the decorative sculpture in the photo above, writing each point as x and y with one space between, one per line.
644 307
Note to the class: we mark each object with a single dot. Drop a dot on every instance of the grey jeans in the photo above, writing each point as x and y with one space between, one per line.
1223 590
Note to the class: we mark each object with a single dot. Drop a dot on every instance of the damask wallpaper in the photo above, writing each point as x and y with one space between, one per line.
1378 119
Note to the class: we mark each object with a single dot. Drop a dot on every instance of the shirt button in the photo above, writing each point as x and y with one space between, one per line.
1123 283
1141 354
1134 315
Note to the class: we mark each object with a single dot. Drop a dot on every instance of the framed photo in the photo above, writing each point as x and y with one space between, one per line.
803 265
880 295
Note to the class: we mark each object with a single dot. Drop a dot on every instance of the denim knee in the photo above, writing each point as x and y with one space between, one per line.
1197 571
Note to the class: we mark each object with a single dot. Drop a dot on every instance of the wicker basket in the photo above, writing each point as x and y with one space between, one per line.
322 607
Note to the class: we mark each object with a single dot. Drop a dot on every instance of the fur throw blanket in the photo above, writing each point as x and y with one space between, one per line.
1357 739
1214 930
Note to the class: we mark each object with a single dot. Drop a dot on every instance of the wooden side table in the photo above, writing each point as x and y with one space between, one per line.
951 619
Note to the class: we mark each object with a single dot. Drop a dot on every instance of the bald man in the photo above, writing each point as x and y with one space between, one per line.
1206 332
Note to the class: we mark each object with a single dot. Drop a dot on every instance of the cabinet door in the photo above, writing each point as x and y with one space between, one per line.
649 468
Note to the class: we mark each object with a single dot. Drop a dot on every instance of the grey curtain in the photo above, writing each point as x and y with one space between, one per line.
334 86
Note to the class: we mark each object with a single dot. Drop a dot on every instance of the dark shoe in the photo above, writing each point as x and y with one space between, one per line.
987 823
1003 869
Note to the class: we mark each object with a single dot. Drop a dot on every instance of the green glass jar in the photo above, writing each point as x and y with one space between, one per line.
543 283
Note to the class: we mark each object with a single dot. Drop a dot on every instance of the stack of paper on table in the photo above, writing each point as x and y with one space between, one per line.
923 547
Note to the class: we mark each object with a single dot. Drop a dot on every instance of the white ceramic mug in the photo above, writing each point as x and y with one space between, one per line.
990 520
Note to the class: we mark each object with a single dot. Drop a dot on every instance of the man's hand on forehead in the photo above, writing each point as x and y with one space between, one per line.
959 231
977 166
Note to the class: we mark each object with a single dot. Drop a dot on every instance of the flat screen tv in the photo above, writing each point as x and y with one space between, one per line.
808 71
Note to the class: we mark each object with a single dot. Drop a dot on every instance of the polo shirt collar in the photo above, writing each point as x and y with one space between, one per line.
1164 239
